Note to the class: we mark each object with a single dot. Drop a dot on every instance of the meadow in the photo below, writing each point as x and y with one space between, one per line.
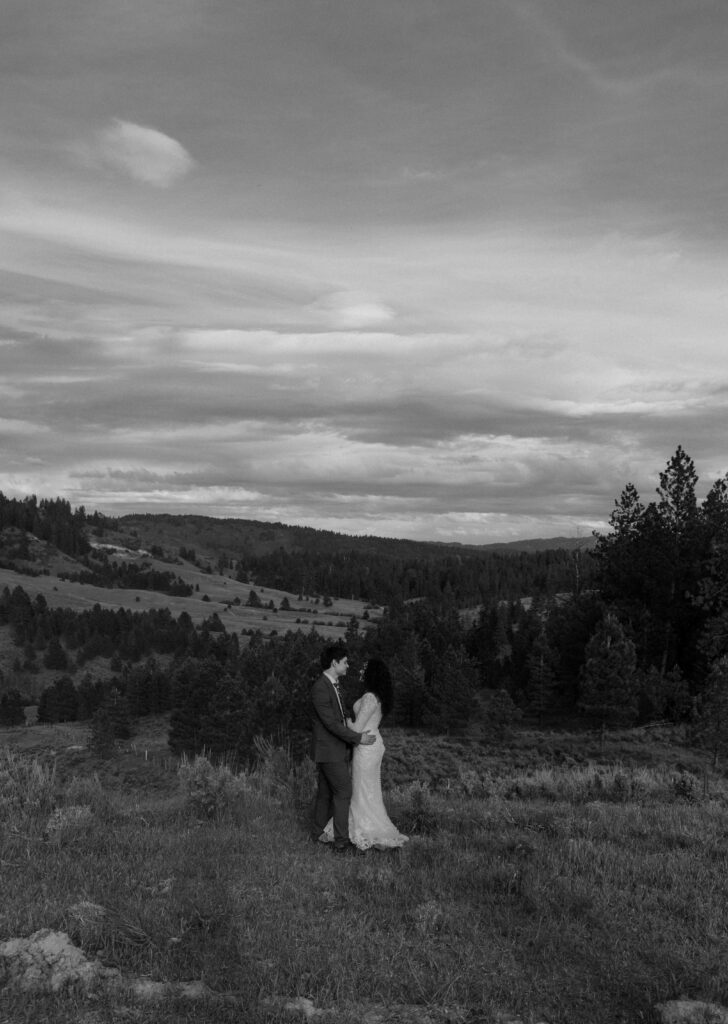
214 593
548 877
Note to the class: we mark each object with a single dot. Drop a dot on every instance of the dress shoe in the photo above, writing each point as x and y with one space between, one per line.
346 848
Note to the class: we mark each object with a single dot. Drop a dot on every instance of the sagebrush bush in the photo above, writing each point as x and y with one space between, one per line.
211 791
88 791
279 774
611 784
68 819
685 786
474 784
417 815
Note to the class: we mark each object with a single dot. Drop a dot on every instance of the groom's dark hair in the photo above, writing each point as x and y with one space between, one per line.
333 652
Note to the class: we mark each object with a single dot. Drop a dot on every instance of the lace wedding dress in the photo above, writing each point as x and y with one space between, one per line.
369 823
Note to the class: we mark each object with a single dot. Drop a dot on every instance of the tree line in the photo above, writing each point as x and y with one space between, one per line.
649 639
50 519
101 571
640 634
380 576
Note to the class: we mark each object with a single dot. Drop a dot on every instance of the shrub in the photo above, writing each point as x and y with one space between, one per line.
27 789
211 791
278 773
417 817
69 819
684 786
87 791
472 784
621 788
582 785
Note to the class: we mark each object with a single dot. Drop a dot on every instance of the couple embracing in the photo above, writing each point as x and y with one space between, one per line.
349 810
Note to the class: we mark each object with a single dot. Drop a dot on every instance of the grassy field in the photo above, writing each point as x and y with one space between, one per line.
213 593
216 593
548 877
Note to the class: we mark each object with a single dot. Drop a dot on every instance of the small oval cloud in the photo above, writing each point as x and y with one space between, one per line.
145 153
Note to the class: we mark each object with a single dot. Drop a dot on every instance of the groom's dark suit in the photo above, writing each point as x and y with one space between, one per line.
331 743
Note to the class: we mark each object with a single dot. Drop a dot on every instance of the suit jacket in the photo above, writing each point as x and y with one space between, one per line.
331 739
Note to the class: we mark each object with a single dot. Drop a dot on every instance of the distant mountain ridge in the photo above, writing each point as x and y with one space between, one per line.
212 537
148 552
544 544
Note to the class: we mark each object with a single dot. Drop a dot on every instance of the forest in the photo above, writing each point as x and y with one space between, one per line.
633 630
299 559
465 577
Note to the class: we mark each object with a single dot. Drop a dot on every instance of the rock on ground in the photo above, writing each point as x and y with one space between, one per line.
48 961
376 1013
691 1011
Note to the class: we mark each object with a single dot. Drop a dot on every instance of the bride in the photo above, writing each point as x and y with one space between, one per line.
369 823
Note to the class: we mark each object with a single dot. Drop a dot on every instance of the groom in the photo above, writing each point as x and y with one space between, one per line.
331 744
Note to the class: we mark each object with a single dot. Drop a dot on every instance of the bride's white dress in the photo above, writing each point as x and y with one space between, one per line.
369 823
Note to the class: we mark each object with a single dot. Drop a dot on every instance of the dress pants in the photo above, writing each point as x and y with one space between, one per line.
333 798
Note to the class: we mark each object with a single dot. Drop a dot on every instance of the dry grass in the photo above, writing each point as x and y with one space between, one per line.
542 897
219 590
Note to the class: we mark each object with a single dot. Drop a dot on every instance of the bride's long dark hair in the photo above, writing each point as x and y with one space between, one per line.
378 681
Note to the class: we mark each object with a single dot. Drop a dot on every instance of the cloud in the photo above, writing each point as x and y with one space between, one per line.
145 153
352 310
19 428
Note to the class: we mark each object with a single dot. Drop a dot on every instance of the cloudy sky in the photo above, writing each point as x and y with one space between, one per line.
446 269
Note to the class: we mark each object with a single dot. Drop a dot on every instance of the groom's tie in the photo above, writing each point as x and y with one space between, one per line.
337 691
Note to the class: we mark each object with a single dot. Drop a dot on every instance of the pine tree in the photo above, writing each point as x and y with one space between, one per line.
449 697
48 705
541 677
408 676
354 641
712 596
711 727
11 708
116 707
55 657
101 738
663 696
66 700
228 725
58 702
193 688
608 684
499 712
90 696
20 616
503 649
651 564
683 555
